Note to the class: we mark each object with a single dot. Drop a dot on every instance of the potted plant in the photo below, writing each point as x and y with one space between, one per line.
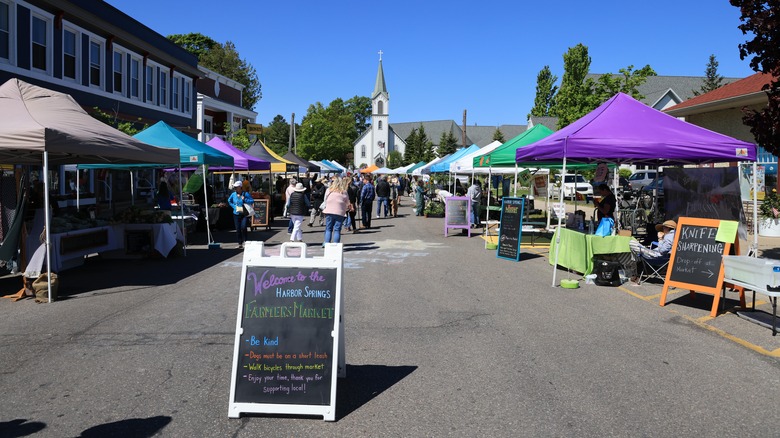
434 209
769 212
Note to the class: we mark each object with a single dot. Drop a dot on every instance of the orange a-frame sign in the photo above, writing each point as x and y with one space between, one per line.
696 262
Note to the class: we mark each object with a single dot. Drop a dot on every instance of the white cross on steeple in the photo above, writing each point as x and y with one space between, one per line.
380 54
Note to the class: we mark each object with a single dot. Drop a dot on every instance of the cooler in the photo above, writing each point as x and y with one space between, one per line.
760 272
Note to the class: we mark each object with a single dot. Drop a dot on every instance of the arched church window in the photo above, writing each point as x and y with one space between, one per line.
362 151
380 107
380 125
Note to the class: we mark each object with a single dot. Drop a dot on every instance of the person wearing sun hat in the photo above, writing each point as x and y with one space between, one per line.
298 207
237 199
666 232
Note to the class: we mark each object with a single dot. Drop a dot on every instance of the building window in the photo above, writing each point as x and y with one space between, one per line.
380 108
362 151
69 48
380 125
149 83
135 78
187 107
163 88
39 43
95 63
207 122
5 31
175 88
118 71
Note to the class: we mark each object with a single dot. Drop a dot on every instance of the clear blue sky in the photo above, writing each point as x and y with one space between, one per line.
443 57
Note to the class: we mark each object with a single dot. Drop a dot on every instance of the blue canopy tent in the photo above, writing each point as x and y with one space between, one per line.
444 164
191 151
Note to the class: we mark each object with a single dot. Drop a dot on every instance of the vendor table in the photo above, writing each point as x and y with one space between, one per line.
577 249
69 249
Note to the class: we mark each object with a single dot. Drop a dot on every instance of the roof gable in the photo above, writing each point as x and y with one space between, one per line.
743 87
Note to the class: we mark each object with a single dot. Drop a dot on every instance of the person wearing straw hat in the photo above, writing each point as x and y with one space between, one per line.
666 232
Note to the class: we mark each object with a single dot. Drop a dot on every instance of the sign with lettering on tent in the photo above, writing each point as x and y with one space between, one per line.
289 341
696 261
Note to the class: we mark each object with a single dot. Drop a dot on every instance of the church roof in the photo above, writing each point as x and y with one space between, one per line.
380 86
479 135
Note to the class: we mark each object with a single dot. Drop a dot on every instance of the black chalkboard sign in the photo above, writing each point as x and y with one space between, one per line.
260 218
287 321
696 261
510 229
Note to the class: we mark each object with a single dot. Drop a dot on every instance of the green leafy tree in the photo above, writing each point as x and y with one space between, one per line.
195 43
713 80
626 82
573 98
498 136
761 21
360 108
395 159
447 144
426 146
225 60
545 93
327 132
237 137
277 135
126 126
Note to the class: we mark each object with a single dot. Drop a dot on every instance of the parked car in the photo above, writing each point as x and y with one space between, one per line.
639 179
573 186
624 187
647 192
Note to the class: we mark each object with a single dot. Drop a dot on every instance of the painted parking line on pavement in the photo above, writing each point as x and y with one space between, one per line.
700 322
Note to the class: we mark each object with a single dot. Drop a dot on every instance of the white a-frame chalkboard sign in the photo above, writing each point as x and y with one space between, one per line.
289 344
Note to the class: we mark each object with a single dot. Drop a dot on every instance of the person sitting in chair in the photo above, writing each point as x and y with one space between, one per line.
665 242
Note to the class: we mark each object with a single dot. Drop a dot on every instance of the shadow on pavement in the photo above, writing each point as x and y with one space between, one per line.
134 427
20 427
366 382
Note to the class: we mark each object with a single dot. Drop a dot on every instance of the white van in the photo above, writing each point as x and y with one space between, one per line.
572 186
642 177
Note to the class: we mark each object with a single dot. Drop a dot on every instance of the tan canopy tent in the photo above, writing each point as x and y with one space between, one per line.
41 127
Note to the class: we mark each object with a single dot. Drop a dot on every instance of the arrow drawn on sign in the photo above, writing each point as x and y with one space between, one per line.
710 272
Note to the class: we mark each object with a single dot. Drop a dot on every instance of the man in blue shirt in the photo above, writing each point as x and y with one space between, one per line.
367 195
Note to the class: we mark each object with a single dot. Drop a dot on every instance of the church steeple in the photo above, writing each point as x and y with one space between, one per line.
380 86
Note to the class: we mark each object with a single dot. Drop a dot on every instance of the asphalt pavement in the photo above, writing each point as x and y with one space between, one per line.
442 339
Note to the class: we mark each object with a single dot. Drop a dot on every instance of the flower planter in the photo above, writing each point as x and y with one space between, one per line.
768 227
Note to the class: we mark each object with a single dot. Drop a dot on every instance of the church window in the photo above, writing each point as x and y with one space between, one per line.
380 107
362 151
380 125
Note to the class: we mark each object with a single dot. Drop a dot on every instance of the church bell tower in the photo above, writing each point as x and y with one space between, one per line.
380 129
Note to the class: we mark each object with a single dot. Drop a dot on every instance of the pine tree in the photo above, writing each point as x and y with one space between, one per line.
447 143
498 135
713 80
412 147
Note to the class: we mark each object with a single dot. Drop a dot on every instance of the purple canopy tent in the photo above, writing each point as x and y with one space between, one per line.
242 160
624 130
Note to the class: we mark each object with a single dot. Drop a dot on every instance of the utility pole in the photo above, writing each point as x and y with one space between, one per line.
463 131
292 136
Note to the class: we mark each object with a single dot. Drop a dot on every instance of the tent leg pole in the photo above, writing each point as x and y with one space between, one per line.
206 201
47 224
181 206
558 231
